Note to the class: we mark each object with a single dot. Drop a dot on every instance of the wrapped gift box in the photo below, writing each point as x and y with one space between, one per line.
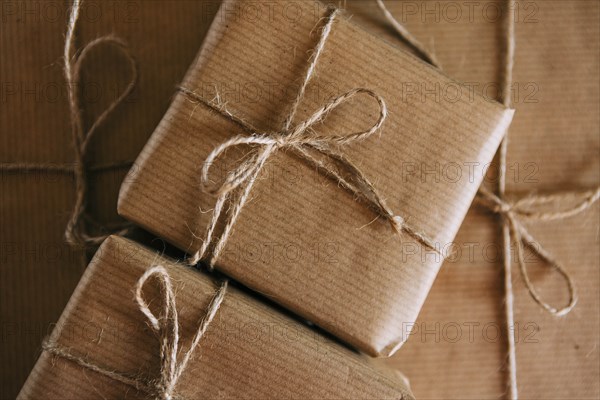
249 351
302 240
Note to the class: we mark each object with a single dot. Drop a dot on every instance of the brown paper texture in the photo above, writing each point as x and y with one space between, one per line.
553 146
38 270
250 350
560 36
303 241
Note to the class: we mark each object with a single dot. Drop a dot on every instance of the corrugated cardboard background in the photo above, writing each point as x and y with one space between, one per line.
557 50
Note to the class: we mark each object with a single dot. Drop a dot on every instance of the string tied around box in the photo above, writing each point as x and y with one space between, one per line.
77 232
167 329
514 213
522 210
321 152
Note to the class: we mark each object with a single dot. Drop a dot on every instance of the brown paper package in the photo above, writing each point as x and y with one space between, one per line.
250 350
303 241
553 146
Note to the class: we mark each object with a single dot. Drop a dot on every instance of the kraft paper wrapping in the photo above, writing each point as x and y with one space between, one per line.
302 241
35 126
553 146
250 350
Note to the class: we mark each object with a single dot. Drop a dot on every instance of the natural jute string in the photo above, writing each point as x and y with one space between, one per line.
514 213
77 230
304 142
166 327
408 37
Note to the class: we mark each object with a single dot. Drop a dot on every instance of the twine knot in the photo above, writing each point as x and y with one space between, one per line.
526 209
301 138
502 208
280 141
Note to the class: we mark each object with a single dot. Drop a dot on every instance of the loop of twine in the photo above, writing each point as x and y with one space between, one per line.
77 229
166 327
522 210
303 141
514 213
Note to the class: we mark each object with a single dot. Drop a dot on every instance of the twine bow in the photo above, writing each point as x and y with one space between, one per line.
77 232
524 210
166 327
320 151
298 139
